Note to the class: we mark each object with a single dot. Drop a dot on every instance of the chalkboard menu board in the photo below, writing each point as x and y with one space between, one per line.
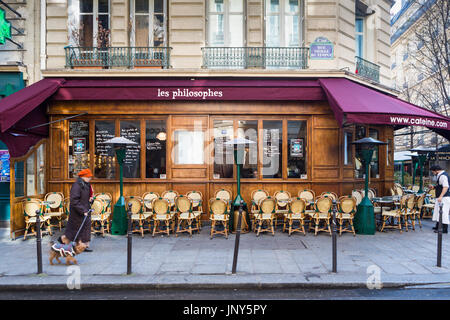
131 164
155 149
104 153
79 128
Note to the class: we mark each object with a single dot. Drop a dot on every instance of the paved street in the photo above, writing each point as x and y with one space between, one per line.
279 260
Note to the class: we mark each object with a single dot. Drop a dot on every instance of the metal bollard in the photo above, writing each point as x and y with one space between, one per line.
238 236
38 242
129 240
439 242
333 236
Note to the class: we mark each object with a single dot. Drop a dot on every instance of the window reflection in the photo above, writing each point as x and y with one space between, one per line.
188 147
272 148
248 129
155 148
223 154
296 167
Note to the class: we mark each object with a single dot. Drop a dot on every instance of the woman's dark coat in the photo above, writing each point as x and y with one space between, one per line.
79 204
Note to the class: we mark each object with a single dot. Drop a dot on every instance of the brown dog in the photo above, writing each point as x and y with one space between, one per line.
67 251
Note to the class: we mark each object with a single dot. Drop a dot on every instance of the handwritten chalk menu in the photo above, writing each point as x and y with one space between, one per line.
131 130
104 153
79 128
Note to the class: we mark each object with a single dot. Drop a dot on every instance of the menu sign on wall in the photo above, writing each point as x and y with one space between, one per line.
131 165
79 128
104 153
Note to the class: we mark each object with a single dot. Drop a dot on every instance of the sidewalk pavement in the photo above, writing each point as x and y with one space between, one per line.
266 261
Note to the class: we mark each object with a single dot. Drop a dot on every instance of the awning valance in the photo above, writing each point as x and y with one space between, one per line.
355 103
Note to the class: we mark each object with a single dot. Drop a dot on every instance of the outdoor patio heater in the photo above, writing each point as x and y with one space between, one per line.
364 221
120 223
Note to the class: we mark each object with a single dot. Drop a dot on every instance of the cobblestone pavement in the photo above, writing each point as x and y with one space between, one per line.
409 257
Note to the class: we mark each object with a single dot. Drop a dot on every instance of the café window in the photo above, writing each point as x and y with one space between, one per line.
223 154
78 147
19 185
360 132
89 24
248 129
31 177
131 130
148 23
296 135
155 148
348 148
104 155
40 174
272 148
374 163
283 23
188 147
225 23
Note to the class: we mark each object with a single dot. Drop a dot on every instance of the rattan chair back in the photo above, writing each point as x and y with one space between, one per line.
282 198
415 188
148 198
347 204
136 204
223 194
357 195
196 198
307 195
432 192
298 205
183 203
170 195
410 202
54 200
218 206
399 191
160 206
99 206
331 195
267 205
30 206
420 201
323 204
258 195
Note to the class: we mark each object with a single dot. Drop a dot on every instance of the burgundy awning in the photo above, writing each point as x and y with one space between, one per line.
355 103
25 109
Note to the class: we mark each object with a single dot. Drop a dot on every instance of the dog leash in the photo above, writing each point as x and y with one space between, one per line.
82 223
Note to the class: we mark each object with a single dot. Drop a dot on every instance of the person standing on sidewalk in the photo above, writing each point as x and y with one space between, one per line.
81 195
442 196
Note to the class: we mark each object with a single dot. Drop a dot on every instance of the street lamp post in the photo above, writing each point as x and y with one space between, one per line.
364 221
119 222
423 154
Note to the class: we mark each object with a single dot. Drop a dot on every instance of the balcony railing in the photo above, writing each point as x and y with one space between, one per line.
116 57
367 69
255 57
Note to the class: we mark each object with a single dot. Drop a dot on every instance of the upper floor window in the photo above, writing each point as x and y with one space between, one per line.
283 23
89 23
225 19
359 36
148 23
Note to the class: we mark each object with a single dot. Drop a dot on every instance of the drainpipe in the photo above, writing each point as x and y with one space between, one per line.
43 34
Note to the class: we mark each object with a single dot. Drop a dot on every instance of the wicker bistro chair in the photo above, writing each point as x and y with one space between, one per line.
147 200
417 211
428 206
29 207
282 204
323 213
310 198
54 207
185 215
99 216
346 213
138 214
162 215
266 215
196 198
297 208
107 197
331 195
226 195
170 195
257 197
397 213
219 214
357 195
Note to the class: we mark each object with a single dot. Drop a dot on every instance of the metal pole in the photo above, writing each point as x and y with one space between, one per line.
129 239
38 242
333 235
439 242
238 236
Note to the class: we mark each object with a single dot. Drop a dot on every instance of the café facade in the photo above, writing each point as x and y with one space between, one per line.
303 129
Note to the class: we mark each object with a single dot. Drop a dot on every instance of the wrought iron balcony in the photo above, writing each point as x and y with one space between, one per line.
255 57
367 69
117 57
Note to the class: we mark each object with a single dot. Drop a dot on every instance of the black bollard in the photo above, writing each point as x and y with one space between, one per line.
238 236
333 236
38 242
129 238
439 242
